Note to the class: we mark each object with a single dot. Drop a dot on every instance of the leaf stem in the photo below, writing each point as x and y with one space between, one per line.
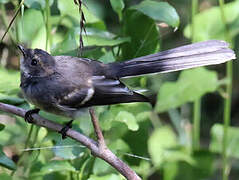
197 103
48 25
227 104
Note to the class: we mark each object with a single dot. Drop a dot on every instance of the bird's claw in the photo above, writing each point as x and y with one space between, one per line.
67 126
28 115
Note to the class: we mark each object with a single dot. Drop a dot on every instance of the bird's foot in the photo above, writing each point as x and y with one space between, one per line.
67 126
28 115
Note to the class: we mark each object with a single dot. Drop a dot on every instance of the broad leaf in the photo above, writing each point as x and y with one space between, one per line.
163 147
128 119
9 82
118 6
159 11
53 166
143 33
32 23
191 85
68 149
232 142
106 177
209 25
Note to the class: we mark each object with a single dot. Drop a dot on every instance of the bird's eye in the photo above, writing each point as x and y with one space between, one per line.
34 62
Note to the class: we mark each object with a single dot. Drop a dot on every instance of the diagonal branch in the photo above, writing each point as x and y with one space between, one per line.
95 147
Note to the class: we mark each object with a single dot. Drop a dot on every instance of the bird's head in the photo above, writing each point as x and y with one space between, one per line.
36 62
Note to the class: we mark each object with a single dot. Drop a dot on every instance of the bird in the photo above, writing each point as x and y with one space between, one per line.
64 85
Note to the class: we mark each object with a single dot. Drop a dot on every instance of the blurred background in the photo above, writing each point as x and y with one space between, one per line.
185 136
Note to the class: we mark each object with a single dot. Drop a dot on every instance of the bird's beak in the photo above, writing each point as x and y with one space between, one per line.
22 49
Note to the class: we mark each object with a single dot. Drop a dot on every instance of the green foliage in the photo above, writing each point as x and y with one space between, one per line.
217 138
118 6
191 85
208 24
144 39
166 150
154 144
5 161
159 11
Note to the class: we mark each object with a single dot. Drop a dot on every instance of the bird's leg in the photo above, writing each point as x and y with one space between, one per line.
28 115
67 126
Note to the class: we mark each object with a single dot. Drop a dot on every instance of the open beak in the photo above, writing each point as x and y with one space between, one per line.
22 49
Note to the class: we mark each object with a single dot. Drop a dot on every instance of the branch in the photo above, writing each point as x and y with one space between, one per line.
98 149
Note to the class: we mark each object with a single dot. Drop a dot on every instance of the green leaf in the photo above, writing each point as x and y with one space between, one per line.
107 177
191 85
217 140
92 40
68 149
54 166
11 99
206 21
36 4
105 119
101 167
143 33
9 82
5 176
67 47
71 9
5 161
159 11
27 30
128 119
119 145
4 1
2 126
118 6
163 147
204 167
108 57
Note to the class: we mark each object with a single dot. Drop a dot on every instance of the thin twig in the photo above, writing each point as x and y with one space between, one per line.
103 153
12 20
98 132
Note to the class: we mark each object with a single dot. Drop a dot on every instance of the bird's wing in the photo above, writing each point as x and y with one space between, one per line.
92 86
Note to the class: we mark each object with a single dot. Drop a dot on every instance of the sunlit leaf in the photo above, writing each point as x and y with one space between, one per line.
118 6
191 85
71 9
53 166
209 25
27 30
128 119
163 147
106 177
68 149
67 47
159 11
36 4
4 1
9 82
232 142
102 41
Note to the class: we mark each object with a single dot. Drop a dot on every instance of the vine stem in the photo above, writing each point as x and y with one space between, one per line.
227 104
197 103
